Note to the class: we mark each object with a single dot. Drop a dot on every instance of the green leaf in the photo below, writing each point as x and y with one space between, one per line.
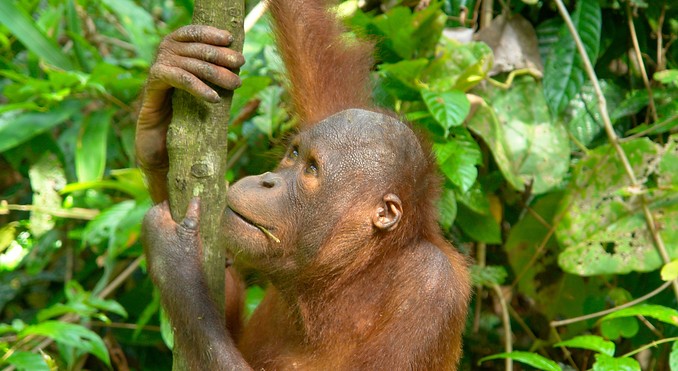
626 327
18 127
667 77
488 276
658 312
401 80
527 144
449 108
533 359
253 297
591 342
458 66
70 334
250 87
563 70
607 363
670 271
673 357
28 361
603 229
482 228
139 24
90 153
270 113
26 30
166 329
447 207
458 158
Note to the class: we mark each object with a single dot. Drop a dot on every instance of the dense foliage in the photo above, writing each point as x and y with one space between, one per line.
561 181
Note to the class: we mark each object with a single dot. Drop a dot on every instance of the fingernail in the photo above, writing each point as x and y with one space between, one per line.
215 98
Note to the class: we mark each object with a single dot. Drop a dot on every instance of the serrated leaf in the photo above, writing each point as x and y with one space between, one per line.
563 69
607 363
591 342
449 108
70 334
533 359
25 29
658 312
90 150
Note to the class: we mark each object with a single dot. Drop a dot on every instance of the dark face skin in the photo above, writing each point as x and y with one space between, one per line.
355 151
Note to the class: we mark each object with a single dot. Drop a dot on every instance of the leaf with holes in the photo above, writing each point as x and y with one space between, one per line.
603 229
527 144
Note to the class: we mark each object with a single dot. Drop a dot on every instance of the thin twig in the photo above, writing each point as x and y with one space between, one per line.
481 253
611 310
612 136
647 346
660 38
508 335
641 64
74 213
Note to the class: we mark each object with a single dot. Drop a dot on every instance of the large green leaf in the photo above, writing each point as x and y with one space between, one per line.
70 334
401 80
658 312
607 363
533 359
458 158
603 229
25 29
563 70
28 361
591 342
90 151
47 178
458 66
17 127
527 144
449 108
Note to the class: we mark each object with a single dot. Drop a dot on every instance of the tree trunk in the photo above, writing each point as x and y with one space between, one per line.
197 145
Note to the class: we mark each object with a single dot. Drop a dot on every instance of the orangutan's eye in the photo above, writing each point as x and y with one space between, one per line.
311 168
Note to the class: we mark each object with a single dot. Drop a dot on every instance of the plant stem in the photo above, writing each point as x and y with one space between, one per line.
612 136
641 65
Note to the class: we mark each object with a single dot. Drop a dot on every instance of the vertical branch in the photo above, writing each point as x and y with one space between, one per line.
612 136
641 64
197 146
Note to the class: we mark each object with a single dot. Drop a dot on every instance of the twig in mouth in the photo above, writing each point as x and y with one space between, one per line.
268 233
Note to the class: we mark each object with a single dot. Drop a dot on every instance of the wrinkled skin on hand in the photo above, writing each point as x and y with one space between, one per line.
188 58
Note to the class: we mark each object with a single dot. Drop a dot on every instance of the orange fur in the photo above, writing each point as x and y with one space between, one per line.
327 73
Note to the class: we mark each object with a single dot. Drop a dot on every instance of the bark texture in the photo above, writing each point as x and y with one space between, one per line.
197 147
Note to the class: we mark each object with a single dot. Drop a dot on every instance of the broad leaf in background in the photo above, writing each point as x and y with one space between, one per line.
603 229
658 312
447 209
139 23
563 68
527 144
582 115
17 127
28 361
401 79
72 335
90 153
458 66
535 267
